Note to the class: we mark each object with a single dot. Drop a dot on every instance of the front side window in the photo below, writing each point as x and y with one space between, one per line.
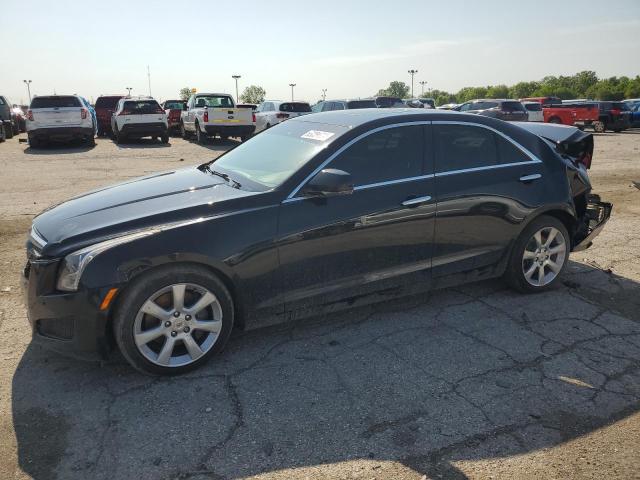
391 154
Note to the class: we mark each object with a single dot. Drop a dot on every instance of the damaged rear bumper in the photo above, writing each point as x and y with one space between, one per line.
597 214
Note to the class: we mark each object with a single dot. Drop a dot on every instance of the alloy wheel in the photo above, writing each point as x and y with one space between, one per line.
178 324
544 256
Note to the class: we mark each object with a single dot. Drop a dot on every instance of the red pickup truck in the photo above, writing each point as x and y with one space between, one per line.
575 114
173 109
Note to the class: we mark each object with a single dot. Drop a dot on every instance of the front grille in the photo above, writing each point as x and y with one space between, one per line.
58 328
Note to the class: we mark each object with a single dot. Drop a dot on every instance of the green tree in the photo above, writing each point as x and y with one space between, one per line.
471 93
523 89
395 89
253 94
497 91
185 93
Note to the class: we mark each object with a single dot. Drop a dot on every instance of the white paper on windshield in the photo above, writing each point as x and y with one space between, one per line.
318 135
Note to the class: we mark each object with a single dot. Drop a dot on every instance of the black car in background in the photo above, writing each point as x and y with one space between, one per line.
389 102
330 105
7 119
352 208
615 116
508 110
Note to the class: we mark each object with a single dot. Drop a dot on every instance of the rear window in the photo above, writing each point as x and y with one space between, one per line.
142 107
295 107
533 107
107 102
55 102
512 107
361 104
223 101
174 105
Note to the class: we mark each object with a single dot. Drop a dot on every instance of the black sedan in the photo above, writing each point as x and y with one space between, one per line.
321 212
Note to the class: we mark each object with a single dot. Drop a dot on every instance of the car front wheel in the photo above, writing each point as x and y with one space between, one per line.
539 255
173 319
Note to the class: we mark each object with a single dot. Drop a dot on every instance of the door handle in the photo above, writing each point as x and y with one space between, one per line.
412 202
530 178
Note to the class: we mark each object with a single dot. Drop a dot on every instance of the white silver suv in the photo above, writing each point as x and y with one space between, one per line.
137 117
60 117
272 112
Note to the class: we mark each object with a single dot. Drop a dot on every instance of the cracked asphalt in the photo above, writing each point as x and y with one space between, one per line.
469 382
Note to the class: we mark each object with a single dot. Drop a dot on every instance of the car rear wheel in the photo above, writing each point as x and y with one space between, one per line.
33 141
244 138
8 131
165 138
2 134
91 141
598 127
554 120
200 137
174 319
539 255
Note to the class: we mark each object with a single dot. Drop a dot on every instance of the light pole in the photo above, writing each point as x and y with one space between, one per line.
236 77
324 94
412 72
292 85
149 79
423 83
27 82
128 89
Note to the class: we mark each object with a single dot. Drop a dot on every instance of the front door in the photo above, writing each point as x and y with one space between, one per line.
377 238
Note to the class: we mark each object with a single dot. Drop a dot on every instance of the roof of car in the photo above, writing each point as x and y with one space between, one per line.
354 118
202 94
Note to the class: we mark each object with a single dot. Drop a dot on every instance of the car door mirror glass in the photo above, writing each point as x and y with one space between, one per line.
328 183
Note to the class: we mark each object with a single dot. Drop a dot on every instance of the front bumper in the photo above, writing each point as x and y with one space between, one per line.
61 133
596 216
70 323
155 129
229 130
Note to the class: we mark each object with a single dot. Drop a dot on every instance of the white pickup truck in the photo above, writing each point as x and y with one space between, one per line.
210 114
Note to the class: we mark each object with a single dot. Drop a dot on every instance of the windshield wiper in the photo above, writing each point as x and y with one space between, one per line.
224 176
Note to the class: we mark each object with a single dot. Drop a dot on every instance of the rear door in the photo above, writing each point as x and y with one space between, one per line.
57 111
377 238
486 186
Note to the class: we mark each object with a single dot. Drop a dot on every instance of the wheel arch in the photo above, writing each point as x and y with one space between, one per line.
140 272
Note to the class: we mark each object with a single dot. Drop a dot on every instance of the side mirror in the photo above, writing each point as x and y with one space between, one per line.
329 182
185 107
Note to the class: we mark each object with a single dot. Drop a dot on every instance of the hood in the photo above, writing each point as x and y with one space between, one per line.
148 201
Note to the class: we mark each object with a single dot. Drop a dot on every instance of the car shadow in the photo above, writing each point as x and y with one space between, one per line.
217 144
461 375
141 143
59 148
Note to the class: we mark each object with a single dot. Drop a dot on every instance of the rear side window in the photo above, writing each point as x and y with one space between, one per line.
390 154
55 102
533 107
295 107
460 147
141 107
107 102
508 152
512 107
361 104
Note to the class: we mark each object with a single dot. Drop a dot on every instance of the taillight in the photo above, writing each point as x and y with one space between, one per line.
30 115
282 115
205 116
253 117
615 111
83 113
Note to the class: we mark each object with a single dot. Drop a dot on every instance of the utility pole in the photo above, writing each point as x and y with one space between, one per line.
324 94
412 72
292 85
423 83
27 82
236 77
128 91
149 78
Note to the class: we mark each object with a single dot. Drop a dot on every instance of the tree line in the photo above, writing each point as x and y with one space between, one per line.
584 84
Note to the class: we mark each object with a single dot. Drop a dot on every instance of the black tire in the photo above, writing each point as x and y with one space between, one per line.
244 138
515 275
91 141
120 138
2 134
16 129
8 131
165 138
33 142
201 138
554 120
142 289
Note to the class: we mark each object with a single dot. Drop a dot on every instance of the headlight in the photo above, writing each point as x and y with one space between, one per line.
75 263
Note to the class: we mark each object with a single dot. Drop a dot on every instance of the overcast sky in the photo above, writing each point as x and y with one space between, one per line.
351 48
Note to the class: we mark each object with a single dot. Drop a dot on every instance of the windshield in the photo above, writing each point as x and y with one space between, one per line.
295 107
223 101
275 154
533 107
174 105
55 102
